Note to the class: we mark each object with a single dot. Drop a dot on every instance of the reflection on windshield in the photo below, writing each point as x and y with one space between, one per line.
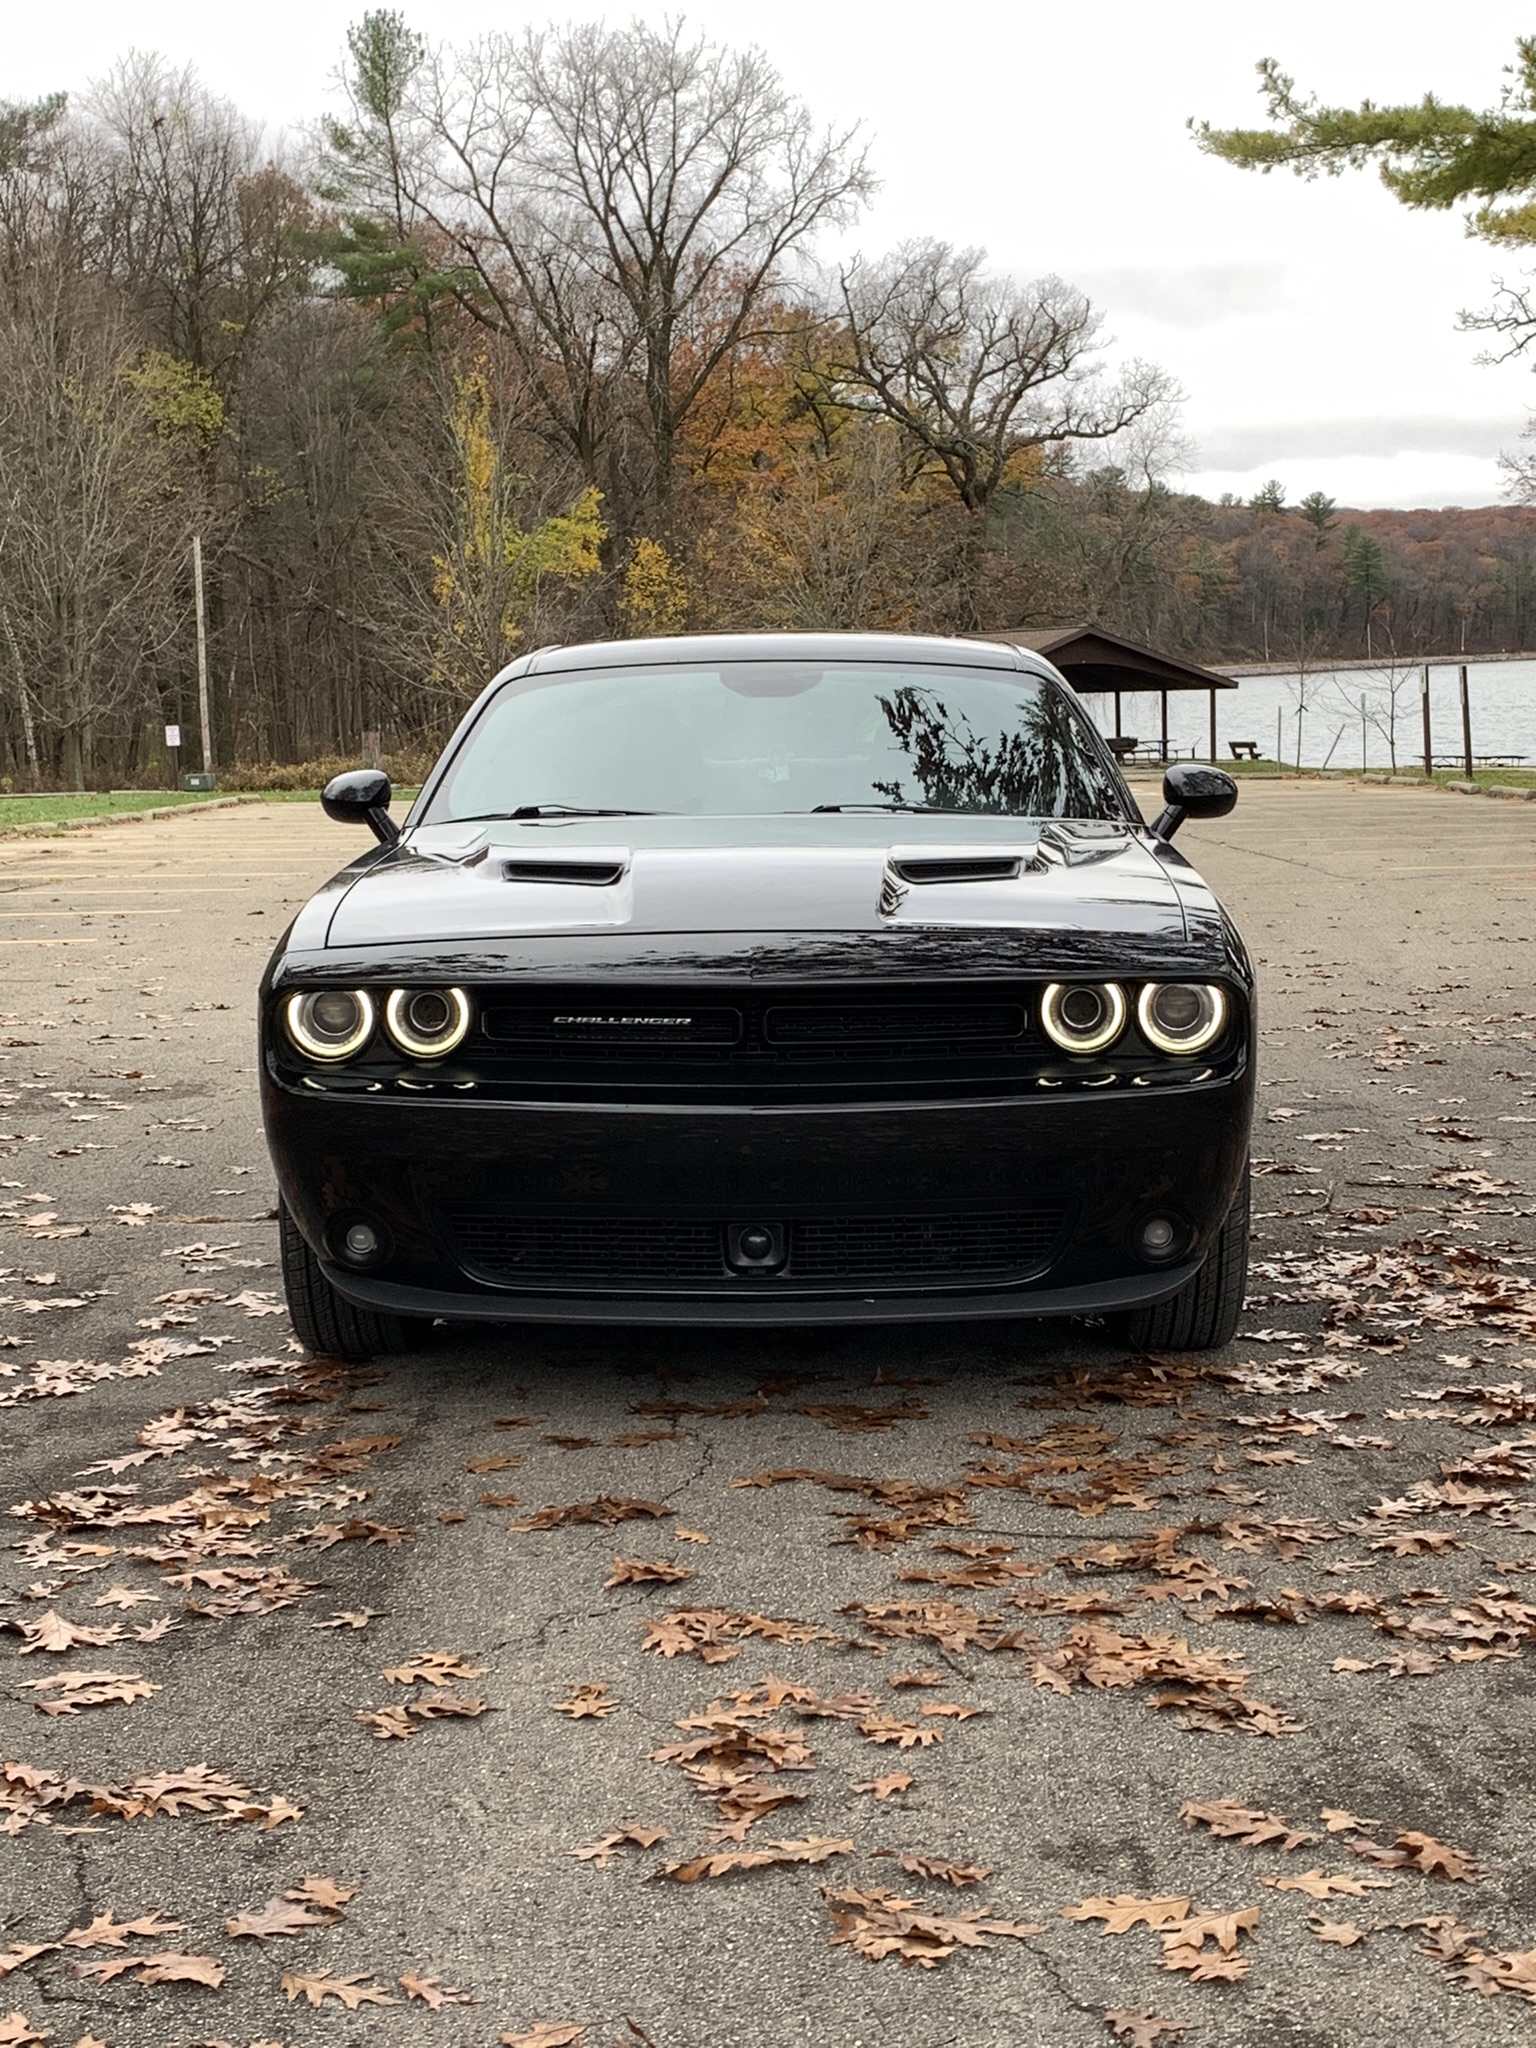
1036 771
753 738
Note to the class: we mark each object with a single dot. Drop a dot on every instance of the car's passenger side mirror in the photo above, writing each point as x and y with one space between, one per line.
1190 791
361 797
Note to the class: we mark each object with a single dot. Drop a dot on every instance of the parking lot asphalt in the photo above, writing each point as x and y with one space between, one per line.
1061 1626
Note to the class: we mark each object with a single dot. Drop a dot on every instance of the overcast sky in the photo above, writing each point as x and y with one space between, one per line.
1312 326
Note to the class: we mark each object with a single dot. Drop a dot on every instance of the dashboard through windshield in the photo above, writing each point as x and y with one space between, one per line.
749 738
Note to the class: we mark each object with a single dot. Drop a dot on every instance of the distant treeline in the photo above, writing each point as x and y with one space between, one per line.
531 342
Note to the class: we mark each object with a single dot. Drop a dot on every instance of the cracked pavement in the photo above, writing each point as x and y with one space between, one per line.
1394 931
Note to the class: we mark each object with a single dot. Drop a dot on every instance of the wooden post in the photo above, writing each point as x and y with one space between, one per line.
1429 752
202 652
1164 696
1117 714
1279 715
1213 728
1466 721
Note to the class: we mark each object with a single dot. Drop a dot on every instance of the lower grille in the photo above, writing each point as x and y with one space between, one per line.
1000 1247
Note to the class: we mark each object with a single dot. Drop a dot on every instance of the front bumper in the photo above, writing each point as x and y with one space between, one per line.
1098 1163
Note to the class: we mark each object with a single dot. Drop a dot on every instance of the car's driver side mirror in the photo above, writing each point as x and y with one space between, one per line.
361 797
1191 791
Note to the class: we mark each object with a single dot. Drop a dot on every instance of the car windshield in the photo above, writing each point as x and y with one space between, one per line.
745 738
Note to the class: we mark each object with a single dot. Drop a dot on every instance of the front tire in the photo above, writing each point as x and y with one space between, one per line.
326 1321
1203 1315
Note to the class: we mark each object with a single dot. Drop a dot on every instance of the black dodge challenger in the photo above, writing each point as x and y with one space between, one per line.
761 980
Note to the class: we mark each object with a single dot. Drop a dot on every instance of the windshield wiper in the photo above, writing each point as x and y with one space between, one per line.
556 811
937 809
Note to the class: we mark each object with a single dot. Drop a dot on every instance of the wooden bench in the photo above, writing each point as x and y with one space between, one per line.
1244 750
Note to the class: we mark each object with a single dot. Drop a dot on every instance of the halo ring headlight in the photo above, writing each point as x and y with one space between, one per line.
1181 1016
427 1022
330 1023
1083 1016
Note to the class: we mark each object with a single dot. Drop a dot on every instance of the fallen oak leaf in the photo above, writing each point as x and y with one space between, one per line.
348 1991
105 1932
601 1853
883 1728
431 1993
1222 1928
79 1689
51 1632
351 1617
689 1535
546 2034
1340 1933
876 1924
723 1862
1204 1969
641 1571
277 1916
1317 1885
16 2031
164 1968
389 1724
1437 1859
433 1667
1339 1821
882 1788
1123 1912
590 1702
934 1866
323 1892
1141 2029
21 1953
1230 1822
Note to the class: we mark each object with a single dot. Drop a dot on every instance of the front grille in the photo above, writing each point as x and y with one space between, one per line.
894 1024
1000 1247
753 1032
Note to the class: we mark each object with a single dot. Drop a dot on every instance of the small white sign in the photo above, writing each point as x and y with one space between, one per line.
173 735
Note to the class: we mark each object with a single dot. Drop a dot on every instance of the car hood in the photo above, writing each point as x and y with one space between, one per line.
843 873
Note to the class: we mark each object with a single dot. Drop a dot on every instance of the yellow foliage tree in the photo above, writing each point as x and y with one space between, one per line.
488 575
654 599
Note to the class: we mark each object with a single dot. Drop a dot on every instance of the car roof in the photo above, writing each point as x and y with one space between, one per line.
718 647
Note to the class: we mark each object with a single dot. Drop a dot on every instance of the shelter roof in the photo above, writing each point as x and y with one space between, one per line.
1092 659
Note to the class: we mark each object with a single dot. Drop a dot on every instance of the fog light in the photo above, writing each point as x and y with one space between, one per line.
360 1241
1158 1238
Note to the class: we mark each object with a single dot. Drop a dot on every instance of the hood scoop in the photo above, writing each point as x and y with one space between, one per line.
601 872
926 869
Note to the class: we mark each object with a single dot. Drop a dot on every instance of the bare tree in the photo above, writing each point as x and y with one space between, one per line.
91 520
976 370
624 203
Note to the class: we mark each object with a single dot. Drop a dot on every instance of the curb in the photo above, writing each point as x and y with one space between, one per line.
55 826
1508 791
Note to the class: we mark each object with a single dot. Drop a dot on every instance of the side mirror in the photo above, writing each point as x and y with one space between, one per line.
361 797
1190 791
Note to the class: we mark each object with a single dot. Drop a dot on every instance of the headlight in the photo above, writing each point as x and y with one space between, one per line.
330 1023
427 1022
1181 1016
1083 1016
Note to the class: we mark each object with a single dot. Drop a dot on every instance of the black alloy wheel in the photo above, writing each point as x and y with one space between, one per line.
324 1320
1203 1315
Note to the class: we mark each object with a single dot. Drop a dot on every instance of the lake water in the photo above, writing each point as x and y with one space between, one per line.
1347 714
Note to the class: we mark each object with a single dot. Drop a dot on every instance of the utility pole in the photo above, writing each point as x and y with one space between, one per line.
202 653
1429 754
1466 723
